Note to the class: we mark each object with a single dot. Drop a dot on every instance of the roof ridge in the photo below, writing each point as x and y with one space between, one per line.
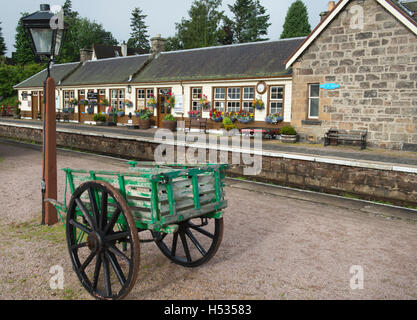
233 45
114 58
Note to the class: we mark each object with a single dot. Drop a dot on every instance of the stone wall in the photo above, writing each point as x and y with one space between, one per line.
367 183
376 67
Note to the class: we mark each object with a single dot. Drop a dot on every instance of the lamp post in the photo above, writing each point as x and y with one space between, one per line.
46 31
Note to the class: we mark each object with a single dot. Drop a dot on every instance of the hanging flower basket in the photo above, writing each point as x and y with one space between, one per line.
128 103
83 102
171 100
204 103
258 104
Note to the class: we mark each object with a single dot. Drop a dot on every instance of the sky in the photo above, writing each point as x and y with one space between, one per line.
161 15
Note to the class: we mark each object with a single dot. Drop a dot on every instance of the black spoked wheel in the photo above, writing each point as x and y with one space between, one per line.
195 243
103 241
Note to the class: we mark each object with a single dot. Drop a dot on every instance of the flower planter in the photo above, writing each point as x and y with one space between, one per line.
120 114
170 125
288 138
144 124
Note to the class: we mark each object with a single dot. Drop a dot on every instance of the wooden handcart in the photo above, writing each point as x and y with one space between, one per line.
182 207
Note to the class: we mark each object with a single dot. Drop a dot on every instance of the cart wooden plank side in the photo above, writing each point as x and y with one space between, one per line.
181 205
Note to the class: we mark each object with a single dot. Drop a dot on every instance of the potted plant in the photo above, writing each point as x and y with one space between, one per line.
228 124
216 116
288 135
169 122
274 118
194 114
258 104
245 117
204 103
144 116
100 119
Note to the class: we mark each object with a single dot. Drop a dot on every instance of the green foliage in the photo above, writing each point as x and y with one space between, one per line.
23 46
81 33
288 131
296 22
99 117
139 37
3 47
173 44
250 21
227 121
12 75
203 28
170 117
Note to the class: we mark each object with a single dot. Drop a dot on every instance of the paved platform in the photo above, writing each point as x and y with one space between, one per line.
370 155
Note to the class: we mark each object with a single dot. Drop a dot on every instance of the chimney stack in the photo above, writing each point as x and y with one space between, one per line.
324 14
158 44
124 49
86 55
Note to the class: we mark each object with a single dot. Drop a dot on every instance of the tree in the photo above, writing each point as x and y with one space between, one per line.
90 32
227 34
69 50
250 21
24 53
3 47
139 37
203 28
173 44
296 22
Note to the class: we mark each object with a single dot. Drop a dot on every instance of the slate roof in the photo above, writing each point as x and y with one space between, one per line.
106 71
58 72
257 59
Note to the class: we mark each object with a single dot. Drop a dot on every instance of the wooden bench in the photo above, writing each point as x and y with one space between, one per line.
197 123
335 136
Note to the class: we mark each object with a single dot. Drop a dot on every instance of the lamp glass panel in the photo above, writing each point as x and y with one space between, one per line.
43 40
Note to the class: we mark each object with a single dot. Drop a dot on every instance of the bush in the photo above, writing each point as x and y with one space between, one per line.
227 121
99 117
288 131
170 117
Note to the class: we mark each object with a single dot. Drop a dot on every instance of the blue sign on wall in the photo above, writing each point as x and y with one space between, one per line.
330 86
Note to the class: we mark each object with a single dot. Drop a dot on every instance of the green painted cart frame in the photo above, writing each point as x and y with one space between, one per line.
181 205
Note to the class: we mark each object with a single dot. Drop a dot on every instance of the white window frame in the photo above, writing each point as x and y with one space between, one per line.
276 99
310 98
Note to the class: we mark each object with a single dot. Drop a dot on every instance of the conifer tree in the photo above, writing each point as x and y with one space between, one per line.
296 22
3 47
139 37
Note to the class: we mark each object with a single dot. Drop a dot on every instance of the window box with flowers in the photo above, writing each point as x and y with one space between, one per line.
274 118
120 112
204 103
258 104
194 114
216 116
245 117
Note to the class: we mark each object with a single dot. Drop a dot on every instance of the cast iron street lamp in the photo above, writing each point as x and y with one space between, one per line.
46 31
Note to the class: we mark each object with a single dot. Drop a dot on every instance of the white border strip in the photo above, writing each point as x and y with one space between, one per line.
285 155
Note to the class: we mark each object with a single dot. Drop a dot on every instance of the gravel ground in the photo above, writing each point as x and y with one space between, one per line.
274 247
